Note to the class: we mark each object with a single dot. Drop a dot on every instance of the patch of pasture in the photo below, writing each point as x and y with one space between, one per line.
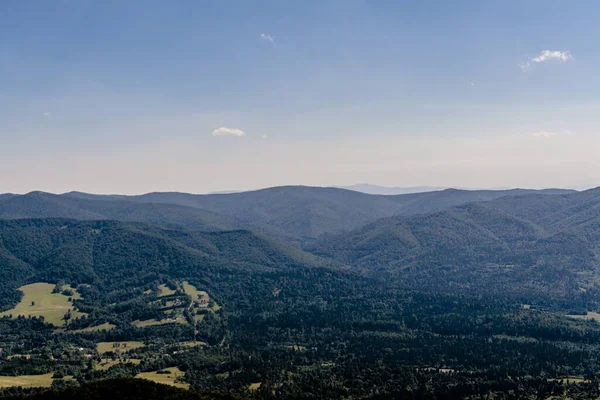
152 322
591 315
165 379
163 290
103 327
200 296
191 343
39 301
106 364
123 347
570 379
296 347
27 381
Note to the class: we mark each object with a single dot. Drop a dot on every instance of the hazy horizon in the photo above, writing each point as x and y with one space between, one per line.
353 187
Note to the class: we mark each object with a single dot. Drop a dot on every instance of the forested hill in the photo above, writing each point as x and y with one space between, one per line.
46 205
522 244
116 253
290 213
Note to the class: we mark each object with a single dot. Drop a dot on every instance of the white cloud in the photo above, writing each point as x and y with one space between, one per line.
544 134
548 134
222 131
547 55
47 114
263 136
267 37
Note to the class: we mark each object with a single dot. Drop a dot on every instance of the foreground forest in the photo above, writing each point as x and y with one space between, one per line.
450 294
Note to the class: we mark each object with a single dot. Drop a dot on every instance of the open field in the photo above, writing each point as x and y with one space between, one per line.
104 347
151 322
26 356
254 386
165 291
570 379
194 293
190 344
590 315
39 301
106 364
200 296
27 381
165 379
103 327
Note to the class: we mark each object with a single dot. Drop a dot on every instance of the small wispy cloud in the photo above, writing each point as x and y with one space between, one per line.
548 55
47 114
222 131
267 37
544 134
472 84
549 134
264 137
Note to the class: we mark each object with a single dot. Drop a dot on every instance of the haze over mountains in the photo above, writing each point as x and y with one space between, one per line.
389 190
293 213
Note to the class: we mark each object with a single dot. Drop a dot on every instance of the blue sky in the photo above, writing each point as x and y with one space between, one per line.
131 96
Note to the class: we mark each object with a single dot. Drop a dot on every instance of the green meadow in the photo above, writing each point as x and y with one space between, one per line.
165 379
39 301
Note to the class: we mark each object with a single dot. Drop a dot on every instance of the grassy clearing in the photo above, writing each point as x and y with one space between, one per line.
27 381
165 379
194 293
151 322
590 315
254 386
198 318
104 347
165 291
39 301
104 327
106 364
190 344
199 296
570 379
26 356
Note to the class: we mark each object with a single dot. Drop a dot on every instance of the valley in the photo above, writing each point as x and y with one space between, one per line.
500 291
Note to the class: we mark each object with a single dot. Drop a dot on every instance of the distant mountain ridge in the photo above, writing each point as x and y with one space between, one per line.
291 213
390 190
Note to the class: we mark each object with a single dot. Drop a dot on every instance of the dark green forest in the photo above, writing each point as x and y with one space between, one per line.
450 294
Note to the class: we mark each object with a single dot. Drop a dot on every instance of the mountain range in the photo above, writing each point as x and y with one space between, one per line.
518 242
291 213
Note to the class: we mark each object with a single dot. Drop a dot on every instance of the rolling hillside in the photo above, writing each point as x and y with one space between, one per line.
46 205
543 243
305 213
116 253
